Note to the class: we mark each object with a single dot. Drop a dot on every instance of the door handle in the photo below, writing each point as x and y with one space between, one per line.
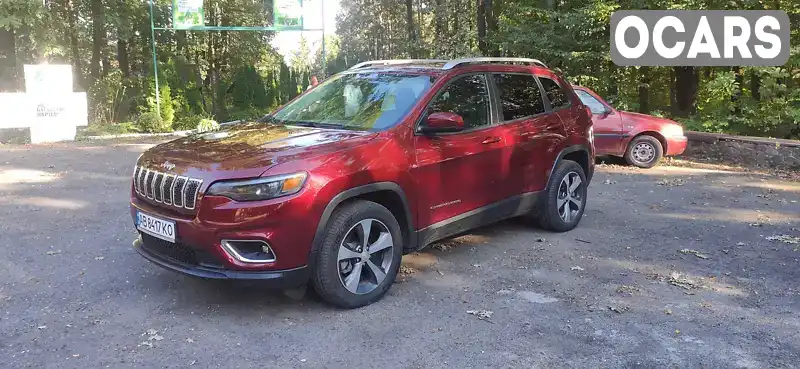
490 140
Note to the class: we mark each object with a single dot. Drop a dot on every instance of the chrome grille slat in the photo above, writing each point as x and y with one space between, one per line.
158 184
148 183
168 189
192 187
177 191
140 181
136 178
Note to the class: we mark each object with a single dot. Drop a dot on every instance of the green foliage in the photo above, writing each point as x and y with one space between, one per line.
109 129
152 122
247 114
238 75
106 95
715 100
207 125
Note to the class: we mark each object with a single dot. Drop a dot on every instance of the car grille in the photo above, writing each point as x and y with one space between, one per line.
179 252
168 189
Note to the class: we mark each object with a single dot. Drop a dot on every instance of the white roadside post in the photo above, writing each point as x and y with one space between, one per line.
48 106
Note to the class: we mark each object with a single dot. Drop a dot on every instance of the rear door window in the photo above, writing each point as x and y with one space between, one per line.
519 95
558 98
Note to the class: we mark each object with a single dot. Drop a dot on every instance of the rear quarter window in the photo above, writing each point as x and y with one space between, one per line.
558 96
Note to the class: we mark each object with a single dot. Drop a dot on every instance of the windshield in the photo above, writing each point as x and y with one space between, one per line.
359 101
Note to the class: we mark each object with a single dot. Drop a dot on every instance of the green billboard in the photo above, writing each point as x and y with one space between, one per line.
288 14
187 14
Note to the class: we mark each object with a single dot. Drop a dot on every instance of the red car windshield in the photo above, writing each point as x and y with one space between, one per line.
357 101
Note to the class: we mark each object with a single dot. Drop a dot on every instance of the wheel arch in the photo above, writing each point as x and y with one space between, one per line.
578 153
657 135
387 194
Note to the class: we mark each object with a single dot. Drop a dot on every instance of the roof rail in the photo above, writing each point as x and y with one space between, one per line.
455 63
395 61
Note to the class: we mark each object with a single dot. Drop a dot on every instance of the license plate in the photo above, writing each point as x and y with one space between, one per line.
156 227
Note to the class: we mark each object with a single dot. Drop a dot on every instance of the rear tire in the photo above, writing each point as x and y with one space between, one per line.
644 152
561 206
345 251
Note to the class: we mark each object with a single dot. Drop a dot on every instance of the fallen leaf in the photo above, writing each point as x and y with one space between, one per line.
619 309
694 252
785 238
481 314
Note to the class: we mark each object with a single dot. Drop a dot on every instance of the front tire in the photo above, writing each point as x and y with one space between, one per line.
644 152
360 255
563 202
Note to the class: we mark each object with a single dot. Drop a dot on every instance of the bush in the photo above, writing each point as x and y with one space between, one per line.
247 114
108 129
189 121
152 122
207 125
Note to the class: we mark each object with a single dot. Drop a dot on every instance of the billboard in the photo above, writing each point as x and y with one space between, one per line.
288 14
187 14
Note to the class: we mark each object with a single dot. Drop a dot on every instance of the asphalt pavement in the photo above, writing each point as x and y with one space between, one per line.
683 266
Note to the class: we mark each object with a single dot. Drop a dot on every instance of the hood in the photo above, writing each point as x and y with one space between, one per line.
644 118
246 150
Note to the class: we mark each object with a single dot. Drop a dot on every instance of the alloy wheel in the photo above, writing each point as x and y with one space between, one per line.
570 197
365 256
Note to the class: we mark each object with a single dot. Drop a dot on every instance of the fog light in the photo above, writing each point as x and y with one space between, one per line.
249 251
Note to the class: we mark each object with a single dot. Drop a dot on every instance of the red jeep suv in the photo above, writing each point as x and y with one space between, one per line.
377 161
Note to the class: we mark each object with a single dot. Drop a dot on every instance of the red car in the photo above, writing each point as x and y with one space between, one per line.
380 160
641 139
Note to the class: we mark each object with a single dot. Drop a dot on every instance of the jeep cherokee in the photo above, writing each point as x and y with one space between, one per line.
377 161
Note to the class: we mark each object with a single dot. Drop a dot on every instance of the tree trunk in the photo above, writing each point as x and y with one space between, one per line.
75 53
412 37
8 61
98 38
686 90
644 89
755 86
736 97
612 89
123 58
481 22
491 15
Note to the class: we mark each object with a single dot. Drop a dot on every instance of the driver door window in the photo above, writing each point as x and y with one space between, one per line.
595 106
468 97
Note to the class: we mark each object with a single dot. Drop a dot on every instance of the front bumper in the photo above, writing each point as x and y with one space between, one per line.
274 278
676 145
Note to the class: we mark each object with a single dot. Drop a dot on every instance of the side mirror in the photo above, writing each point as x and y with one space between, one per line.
607 110
442 122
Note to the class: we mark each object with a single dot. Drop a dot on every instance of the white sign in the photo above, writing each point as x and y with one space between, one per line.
49 107
48 79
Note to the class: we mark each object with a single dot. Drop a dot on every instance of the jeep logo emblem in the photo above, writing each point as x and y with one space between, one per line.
167 165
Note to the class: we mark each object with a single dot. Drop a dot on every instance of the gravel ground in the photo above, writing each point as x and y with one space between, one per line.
615 292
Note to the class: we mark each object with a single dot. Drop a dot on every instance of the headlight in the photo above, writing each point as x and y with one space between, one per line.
260 188
672 130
